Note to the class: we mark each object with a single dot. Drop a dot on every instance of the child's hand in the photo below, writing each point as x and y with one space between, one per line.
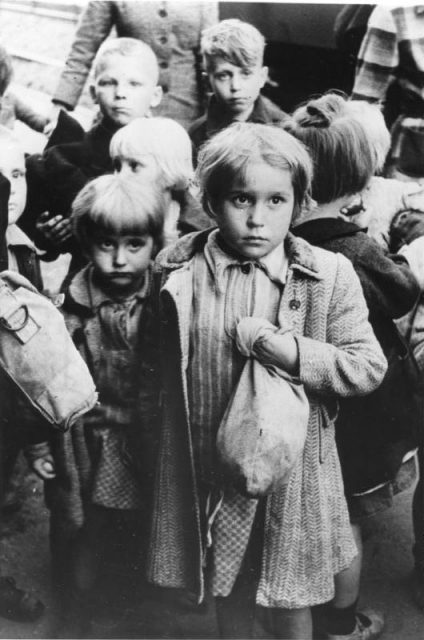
268 344
44 467
56 230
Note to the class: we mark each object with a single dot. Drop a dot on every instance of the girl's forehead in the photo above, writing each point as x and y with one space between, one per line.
259 173
11 157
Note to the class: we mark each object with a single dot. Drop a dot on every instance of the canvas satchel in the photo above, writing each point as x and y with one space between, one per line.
263 430
37 353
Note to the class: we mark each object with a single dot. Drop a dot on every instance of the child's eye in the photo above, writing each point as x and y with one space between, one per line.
276 200
136 243
106 82
246 72
135 165
117 164
135 83
105 244
17 173
222 76
241 200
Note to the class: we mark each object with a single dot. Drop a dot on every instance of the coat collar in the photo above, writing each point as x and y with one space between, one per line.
264 112
84 293
321 230
301 255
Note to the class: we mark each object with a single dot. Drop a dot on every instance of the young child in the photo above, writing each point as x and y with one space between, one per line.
13 108
20 425
382 197
407 237
233 54
159 150
22 254
94 499
15 603
125 87
372 435
282 551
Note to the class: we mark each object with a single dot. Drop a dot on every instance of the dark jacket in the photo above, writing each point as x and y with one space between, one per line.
370 439
57 175
4 199
215 119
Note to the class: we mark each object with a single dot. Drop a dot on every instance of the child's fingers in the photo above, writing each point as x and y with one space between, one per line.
57 229
61 231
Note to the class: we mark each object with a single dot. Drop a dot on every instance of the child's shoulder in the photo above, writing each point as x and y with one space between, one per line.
77 294
312 259
268 112
179 253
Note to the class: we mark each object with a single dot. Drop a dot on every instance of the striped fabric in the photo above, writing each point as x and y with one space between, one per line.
393 48
226 290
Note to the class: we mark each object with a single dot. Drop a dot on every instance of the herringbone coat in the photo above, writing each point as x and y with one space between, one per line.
307 532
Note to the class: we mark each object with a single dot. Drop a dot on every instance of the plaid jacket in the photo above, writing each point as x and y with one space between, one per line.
392 50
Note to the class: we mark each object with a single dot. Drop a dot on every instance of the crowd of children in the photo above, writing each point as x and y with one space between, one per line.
167 264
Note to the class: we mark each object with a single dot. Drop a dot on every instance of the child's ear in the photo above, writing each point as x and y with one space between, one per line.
209 209
93 93
156 96
264 75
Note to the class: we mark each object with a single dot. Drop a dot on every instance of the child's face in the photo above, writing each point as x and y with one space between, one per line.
124 90
12 167
255 215
237 88
120 261
144 166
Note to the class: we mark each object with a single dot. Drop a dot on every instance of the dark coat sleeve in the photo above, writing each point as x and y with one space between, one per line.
389 286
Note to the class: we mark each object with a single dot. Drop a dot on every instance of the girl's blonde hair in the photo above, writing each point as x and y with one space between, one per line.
372 120
117 205
227 155
165 140
338 144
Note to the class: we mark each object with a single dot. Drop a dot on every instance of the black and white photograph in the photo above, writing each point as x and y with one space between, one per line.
211 320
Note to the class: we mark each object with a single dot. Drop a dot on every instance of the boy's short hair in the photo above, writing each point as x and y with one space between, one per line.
6 69
227 154
342 156
126 47
371 118
163 138
117 205
237 42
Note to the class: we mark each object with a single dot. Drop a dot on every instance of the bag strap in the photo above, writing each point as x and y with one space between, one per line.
15 316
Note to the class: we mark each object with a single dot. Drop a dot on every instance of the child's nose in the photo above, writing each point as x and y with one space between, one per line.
235 83
119 257
256 216
121 89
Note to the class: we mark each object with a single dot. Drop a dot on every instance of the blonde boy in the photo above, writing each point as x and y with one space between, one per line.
233 54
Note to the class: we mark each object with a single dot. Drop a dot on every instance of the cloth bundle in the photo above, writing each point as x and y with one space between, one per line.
263 431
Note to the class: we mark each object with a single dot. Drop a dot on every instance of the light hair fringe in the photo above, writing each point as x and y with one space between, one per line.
237 42
164 139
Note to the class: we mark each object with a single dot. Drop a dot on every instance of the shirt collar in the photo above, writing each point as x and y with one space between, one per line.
219 258
15 236
217 119
85 291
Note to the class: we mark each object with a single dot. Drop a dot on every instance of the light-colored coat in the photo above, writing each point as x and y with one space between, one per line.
307 532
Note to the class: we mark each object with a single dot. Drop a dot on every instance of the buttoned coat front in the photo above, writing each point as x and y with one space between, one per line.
307 534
